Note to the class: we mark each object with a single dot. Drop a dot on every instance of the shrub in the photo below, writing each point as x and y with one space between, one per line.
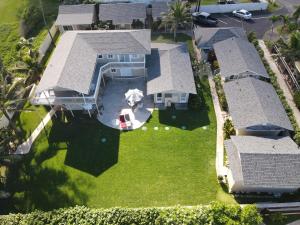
194 101
228 129
297 99
221 94
215 213
31 17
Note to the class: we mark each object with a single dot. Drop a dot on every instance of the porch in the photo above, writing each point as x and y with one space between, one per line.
114 103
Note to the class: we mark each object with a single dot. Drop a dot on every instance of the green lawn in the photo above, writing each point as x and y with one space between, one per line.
69 164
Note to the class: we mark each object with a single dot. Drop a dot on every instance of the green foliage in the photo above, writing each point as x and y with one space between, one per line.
220 92
252 36
295 40
228 129
179 14
297 99
194 102
278 218
31 18
215 214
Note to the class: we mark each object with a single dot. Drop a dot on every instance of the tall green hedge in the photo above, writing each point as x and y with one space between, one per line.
215 214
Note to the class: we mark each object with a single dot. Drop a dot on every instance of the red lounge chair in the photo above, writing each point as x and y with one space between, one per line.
125 122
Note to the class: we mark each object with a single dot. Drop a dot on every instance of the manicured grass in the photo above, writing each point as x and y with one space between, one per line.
71 164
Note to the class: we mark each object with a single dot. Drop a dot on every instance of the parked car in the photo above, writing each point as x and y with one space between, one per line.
223 2
242 13
204 18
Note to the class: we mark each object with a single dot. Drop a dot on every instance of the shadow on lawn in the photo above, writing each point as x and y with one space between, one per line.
91 146
36 186
192 118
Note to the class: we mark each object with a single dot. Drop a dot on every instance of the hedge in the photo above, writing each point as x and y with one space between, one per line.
215 214
275 84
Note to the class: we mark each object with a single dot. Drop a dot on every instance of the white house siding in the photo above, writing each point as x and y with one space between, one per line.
173 98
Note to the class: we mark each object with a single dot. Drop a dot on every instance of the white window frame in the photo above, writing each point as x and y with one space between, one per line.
110 56
113 70
182 97
159 99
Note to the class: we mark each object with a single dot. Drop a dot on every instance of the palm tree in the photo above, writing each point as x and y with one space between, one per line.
286 21
179 14
11 95
27 61
296 14
274 19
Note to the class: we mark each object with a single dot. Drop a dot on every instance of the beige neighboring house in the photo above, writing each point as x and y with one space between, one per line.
122 15
258 164
76 17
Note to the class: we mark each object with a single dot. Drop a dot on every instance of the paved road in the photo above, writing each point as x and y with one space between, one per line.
259 24
289 5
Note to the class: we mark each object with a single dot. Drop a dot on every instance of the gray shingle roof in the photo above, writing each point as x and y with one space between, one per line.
237 56
73 61
264 162
83 14
122 13
169 69
206 37
158 8
253 102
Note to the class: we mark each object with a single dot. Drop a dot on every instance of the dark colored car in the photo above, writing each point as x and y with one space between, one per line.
204 18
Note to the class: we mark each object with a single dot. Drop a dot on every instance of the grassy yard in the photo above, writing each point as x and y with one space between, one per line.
10 21
79 161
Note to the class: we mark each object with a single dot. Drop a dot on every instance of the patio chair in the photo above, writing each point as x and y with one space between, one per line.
125 122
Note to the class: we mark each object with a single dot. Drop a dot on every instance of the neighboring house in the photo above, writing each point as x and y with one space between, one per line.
238 58
77 69
258 164
75 17
123 15
158 9
170 75
255 108
83 61
205 38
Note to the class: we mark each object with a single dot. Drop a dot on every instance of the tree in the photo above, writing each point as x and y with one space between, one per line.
27 61
285 19
228 129
11 95
274 19
179 14
250 216
296 14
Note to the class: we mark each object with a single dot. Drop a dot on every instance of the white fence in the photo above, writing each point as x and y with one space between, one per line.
47 42
226 8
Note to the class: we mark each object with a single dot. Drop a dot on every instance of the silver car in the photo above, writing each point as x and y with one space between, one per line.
242 13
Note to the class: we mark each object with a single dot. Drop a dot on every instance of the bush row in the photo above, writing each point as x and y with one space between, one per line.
220 92
275 84
215 214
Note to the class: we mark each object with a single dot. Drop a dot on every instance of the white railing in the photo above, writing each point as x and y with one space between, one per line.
54 100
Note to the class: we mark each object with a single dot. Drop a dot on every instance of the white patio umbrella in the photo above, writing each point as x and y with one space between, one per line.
133 96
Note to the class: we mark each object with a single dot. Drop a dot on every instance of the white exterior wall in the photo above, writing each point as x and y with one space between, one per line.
226 8
175 98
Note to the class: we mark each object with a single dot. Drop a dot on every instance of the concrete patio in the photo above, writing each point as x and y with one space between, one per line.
114 103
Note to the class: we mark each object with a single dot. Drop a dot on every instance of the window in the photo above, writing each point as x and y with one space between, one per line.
100 56
113 70
159 97
134 56
168 95
67 28
183 97
110 56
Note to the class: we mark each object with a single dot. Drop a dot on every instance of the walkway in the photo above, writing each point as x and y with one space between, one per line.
220 168
280 79
25 147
